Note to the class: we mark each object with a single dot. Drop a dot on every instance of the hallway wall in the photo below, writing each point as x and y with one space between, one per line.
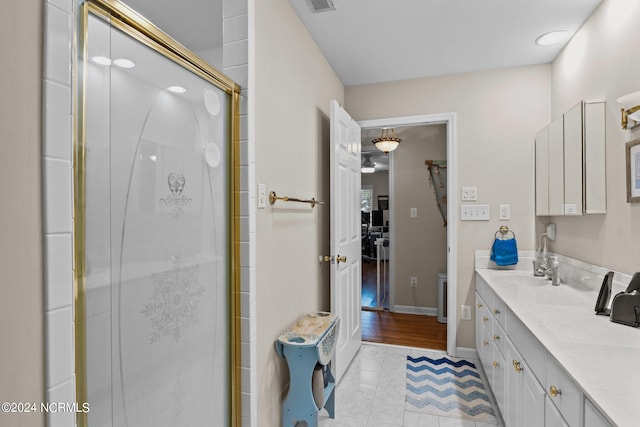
22 377
293 87
420 243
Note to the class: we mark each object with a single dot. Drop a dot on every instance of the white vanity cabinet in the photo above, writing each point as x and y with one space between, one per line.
525 396
530 387
570 162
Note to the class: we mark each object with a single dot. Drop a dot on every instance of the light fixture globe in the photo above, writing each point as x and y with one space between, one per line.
387 142
553 37
368 166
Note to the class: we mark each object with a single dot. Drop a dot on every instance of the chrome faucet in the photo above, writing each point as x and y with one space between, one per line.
541 265
554 268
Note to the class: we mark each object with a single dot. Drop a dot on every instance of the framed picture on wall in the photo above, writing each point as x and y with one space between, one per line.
383 202
633 171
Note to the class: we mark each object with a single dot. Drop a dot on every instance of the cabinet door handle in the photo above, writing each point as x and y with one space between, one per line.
496 337
495 364
554 391
479 305
485 343
485 318
496 311
516 366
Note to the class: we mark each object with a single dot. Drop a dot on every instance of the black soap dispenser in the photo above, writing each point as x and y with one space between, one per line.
603 297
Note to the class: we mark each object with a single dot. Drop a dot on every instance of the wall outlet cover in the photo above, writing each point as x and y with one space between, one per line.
505 212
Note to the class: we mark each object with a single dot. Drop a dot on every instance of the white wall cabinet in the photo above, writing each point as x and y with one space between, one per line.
556 167
542 172
517 365
570 163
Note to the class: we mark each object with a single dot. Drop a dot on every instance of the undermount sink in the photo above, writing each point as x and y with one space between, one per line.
526 287
525 279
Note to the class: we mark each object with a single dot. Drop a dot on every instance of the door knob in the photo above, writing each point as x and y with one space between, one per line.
326 258
554 391
340 259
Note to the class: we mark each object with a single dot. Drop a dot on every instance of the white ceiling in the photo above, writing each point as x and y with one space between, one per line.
371 41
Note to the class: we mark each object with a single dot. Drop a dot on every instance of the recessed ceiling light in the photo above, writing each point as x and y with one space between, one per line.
101 60
553 37
176 89
124 63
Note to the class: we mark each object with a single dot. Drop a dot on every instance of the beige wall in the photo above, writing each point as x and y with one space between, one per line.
498 114
420 243
21 276
600 63
293 87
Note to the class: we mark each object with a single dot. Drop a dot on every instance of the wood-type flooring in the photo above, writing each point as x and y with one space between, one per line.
411 330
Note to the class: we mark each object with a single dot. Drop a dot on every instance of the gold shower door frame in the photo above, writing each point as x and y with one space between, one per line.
125 19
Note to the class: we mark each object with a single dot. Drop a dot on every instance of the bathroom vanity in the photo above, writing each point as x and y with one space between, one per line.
549 359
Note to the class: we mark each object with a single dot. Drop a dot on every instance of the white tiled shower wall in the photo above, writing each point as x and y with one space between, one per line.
60 20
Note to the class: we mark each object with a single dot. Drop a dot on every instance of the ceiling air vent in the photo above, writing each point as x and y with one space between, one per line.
321 5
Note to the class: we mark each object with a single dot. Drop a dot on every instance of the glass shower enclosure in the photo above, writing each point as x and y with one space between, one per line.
155 228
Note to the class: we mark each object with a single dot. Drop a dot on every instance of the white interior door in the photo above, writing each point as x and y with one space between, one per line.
346 274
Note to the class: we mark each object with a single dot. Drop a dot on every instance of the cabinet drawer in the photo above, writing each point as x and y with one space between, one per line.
528 346
592 417
563 392
499 337
499 311
485 292
552 417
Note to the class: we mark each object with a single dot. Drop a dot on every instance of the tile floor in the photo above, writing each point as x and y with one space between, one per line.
372 392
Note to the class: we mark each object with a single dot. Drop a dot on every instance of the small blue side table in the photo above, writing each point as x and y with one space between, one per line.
309 341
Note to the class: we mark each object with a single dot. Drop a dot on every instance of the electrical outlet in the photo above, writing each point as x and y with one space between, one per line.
466 312
413 282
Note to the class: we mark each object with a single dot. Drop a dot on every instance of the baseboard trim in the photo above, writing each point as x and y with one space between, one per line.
466 353
410 309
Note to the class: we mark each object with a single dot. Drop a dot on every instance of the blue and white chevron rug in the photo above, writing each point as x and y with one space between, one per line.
447 387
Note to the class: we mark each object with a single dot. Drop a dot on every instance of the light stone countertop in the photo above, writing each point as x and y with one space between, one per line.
599 355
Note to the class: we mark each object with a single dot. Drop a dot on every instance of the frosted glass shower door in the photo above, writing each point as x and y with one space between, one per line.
156 238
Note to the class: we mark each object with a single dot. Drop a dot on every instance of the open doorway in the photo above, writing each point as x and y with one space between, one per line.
374 212
406 244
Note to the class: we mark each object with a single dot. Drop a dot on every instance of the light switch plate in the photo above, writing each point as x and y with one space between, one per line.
469 194
262 196
413 212
474 213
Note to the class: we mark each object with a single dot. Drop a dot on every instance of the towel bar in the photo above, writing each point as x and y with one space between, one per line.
273 197
504 230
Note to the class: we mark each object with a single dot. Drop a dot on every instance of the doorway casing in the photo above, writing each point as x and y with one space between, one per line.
452 208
